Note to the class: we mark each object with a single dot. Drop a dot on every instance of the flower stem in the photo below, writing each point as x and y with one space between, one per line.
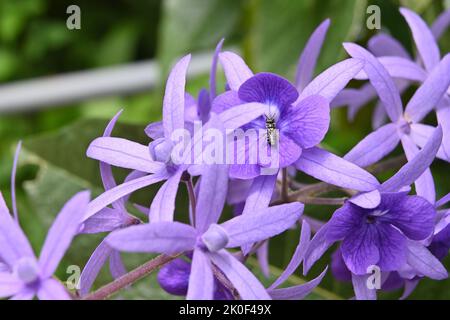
129 278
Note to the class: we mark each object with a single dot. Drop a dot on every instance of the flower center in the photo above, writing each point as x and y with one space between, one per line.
27 270
372 217
215 238
404 126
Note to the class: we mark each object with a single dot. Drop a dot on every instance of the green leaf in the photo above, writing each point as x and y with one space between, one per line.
280 30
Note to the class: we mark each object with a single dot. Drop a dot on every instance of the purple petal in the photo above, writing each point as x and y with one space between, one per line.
61 233
430 92
338 268
399 67
23 295
421 133
122 190
163 205
212 195
243 280
262 254
410 286
375 146
236 71
331 81
344 222
297 258
441 24
9 285
308 58
367 200
213 73
288 152
116 266
298 292
362 292
421 259
444 200
174 277
443 117
225 101
240 115
424 183
93 267
317 247
201 279
332 169
270 222
155 130
380 79
51 289
13 181
173 104
383 44
123 153
238 191
244 171
416 166
105 220
307 122
13 243
161 237
379 116
423 38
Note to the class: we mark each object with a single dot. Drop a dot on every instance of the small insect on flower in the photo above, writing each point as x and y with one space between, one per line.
271 130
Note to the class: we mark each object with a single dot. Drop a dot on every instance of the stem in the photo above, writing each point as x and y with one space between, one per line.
284 185
192 199
323 201
131 277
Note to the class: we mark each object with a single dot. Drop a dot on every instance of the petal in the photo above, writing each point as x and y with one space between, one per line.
105 220
268 88
375 146
155 130
173 104
122 190
441 24
392 248
225 101
123 153
423 38
245 171
367 200
297 258
161 237
383 44
9 285
288 152
380 79
424 183
421 133
413 215
379 116
317 247
23 295
242 114
163 204
338 268
116 266
307 122
362 292
211 197
93 267
421 259
238 190
13 181
174 277
403 68
331 81
201 279
332 169
262 254
243 280
61 233
51 289
213 72
308 58
430 92
298 292
345 221
13 242
270 222
416 166
236 71
443 117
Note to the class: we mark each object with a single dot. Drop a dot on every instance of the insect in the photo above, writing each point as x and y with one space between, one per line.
271 131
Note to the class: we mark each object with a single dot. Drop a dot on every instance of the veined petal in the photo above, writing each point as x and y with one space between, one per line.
105 220
201 279
155 130
173 104
240 115
362 292
430 92
13 242
243 280
332 169
163 204
270 222
422 261
9 285
383 44
297 292
61 233
380 79
161 237
443 117
425 182
317 247
423 38
415 166
51 289
93 267
421 133
308 58
123 153
213 72
236 71
116 266
367 200
331 81
441 24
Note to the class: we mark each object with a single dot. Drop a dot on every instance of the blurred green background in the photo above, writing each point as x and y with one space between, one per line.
34 41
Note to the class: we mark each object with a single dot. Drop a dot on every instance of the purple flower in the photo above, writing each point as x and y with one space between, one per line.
208 240
22 275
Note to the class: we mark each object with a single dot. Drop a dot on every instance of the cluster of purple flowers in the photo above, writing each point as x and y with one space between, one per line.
380 226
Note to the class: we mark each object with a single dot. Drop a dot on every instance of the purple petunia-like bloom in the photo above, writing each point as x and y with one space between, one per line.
22 275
